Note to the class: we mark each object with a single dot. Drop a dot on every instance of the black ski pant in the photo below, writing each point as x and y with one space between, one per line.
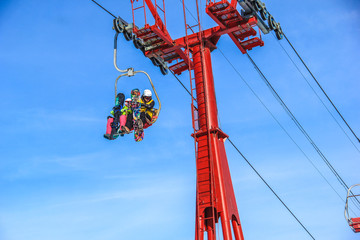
129 121
144 116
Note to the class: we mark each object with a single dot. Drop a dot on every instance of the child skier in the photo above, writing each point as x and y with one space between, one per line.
135 110
125 111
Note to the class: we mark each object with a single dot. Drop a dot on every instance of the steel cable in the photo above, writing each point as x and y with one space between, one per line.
104 8
321 88
181 84
272 190
297 123
317 95
282 127
278 122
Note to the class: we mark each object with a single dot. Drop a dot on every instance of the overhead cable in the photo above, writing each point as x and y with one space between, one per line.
181 83
277 196
317 82
317 95
104 8
281 126
297 123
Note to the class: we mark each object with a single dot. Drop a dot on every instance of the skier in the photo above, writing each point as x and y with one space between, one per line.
147 105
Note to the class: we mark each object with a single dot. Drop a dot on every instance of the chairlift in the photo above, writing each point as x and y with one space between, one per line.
130 72
354 222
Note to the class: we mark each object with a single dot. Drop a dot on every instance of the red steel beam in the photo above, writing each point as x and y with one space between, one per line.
210 33
215 197
231 35
156 16
160 29
233 3
213 172
193 39
167 39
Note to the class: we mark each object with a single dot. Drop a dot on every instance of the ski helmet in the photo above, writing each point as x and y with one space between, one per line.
147 93
127 102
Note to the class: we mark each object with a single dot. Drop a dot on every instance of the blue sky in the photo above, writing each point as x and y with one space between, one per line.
60 179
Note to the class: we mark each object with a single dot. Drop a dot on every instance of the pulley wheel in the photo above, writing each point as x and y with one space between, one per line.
264 14
271 22
155 61
137 43
279 33
163 70
142 49
127 35
257 6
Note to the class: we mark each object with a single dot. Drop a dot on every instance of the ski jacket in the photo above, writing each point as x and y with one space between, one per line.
115 109
126 110
147 107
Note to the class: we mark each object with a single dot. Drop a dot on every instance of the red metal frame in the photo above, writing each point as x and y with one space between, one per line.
157 36
230 22
215 196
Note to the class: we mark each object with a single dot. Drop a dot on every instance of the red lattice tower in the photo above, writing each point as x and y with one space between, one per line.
215 198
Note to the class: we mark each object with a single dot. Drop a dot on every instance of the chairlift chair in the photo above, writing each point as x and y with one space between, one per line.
130 73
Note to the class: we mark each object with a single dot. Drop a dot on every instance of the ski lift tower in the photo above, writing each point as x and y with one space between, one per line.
215 198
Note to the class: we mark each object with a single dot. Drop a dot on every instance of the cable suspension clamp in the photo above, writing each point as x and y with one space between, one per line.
130 72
